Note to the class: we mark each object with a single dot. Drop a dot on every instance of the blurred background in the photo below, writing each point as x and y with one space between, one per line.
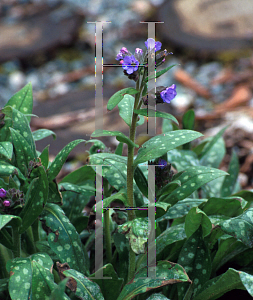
50 44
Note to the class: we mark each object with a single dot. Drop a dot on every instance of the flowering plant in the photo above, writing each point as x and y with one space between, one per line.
203 221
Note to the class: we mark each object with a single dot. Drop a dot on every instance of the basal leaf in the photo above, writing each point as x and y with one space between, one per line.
218 286
31 277
42 133
160 144
195 259
59 292
240 227
230 181
7 219
181 159
80 189
35 199
60 159
194 219
63 237
6 169
44 157
192 179
155 113
119 136
166 273
189 119
118 96
6 149
80 176
86 289
22 100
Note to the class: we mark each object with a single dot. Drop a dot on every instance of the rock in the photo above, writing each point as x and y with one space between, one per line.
39 32
208 25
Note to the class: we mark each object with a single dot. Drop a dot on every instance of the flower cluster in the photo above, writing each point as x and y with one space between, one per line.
163 172
131 66
11 198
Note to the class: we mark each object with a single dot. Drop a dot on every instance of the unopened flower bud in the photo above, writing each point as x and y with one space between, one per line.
6 203
2 193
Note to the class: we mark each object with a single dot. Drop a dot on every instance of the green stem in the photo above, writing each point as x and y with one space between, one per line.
16 242
130 176
108 242
31 244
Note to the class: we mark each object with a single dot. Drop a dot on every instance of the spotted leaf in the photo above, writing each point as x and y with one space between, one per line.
63 238
85 288
161 144
118 96
165 273
42 133
6 149
31 277
60 159
195 259
22 100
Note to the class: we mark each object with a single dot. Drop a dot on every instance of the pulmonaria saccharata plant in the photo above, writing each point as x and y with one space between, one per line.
201 231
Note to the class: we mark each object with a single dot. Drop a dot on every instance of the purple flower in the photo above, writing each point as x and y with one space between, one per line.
6 203
151 44
130 64
138 53
163 163
122 52
2 193
169 93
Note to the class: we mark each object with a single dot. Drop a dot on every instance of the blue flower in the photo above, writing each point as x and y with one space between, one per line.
162 162
130 64
169 93
151 44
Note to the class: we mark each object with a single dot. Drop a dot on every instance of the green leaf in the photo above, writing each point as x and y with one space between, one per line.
22 100
114 283
66 186
6 169
229 206
189 120
4 284
21 125
208 147
31 277
63 237
160 144
7 219
42 133
116 172
23 151
181 159
59 292
240 227
228 248
6 149
141 181
181 209
157 297
126 108
54 195
230 181
194 219
119 149
119 136
155 113
166 273
158 74
192 179
195 259
60 159
137 232
35 199
80 176
121 195
44 157
118 96
86 289
80 223
218 286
